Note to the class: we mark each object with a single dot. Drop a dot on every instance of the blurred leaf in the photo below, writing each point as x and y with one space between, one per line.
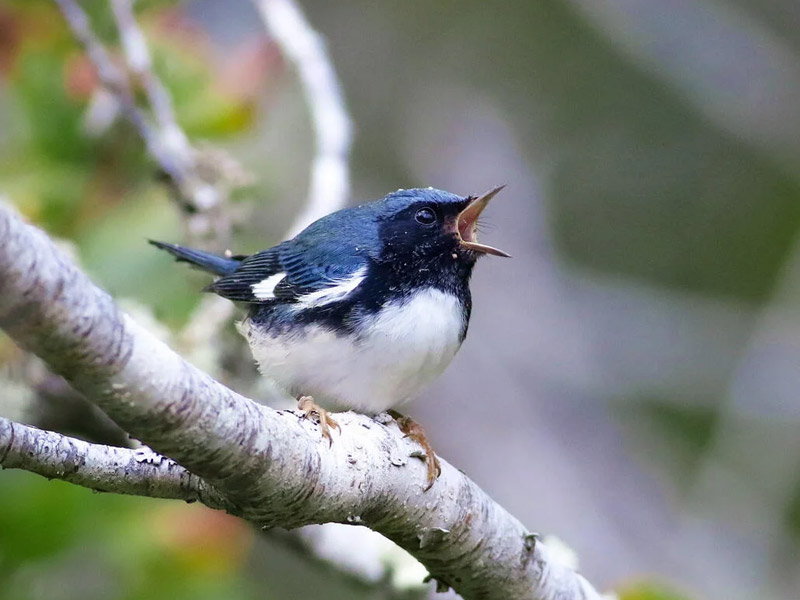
113 547
36 519
793 516
650 591
202 108
52 119
116 253
674 434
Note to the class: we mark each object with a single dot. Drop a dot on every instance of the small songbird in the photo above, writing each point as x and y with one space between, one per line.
362 308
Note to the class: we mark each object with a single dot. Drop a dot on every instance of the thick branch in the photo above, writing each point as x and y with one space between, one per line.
139 472
272 466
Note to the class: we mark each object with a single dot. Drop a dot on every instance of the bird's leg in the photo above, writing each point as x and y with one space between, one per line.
308 407
414 431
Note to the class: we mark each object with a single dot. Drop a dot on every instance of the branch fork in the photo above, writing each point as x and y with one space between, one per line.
269 467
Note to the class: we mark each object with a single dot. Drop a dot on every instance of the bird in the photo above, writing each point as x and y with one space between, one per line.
363 308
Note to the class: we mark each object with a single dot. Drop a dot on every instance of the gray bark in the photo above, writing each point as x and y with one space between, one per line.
267 466
139 472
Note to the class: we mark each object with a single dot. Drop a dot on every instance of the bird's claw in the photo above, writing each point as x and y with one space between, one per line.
308 407
414 431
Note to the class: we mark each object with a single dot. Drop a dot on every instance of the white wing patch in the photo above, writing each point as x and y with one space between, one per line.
265 289
334 293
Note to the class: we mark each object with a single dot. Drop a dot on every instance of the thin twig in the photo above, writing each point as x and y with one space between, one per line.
139 472
137 56
172 139
117 81
111 76
202 195
305 48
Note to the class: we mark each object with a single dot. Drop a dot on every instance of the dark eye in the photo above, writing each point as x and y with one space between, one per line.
425 216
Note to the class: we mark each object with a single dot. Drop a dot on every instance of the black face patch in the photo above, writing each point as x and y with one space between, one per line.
423 232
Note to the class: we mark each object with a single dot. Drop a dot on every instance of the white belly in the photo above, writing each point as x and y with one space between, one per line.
403 348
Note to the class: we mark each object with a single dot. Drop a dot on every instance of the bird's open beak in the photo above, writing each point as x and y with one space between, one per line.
467 223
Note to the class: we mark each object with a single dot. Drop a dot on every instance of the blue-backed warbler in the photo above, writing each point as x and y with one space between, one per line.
362 308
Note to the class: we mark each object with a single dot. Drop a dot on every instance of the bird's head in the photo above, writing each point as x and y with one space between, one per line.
426 224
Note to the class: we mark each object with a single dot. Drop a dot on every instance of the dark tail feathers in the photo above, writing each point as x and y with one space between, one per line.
219 265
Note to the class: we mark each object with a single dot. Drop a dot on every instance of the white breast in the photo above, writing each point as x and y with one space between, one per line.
401 349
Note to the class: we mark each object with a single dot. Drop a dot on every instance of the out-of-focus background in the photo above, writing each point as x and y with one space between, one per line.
631 380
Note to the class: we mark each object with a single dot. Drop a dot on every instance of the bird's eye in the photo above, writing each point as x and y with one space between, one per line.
425 216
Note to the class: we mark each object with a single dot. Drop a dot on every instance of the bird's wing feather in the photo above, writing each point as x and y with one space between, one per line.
253 270
295 270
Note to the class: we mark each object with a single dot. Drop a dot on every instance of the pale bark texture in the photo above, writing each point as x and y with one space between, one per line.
269 467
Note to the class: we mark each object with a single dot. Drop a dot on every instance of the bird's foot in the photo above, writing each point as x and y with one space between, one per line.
414 431
308 407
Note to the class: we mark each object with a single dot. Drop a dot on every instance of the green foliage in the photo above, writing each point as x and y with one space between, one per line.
681 430
59 541
650 591
202 109
116 252
104 191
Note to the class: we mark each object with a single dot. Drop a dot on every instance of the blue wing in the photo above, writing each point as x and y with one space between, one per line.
329 252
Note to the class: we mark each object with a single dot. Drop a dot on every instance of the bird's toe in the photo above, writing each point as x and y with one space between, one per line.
308 407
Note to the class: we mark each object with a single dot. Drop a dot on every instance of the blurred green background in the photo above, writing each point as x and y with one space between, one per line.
630 379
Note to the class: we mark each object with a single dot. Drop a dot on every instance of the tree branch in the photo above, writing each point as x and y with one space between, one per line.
202 179
140 472
116 80
301 44
272 466
137 57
